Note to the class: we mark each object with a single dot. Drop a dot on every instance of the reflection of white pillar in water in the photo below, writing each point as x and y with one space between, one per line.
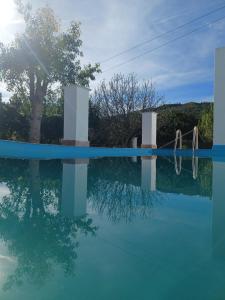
219 100
148 173
134 159
149 130
76 109
218 221
74 188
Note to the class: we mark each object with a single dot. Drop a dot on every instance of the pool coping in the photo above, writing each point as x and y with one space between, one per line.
15 149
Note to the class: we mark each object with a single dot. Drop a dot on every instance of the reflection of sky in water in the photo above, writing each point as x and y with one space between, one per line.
112 229
7 263
4 190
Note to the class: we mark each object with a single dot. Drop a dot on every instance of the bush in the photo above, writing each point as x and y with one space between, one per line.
52 130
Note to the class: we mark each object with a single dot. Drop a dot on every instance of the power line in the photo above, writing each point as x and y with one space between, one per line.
163 45
163 34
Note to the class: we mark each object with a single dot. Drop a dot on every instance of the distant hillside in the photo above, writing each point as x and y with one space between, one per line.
191 107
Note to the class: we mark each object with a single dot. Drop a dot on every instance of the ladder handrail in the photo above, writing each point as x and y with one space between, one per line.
195 139
195 167
178 137
178 164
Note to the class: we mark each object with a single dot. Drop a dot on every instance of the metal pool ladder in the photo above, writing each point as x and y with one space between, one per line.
195 139
178 138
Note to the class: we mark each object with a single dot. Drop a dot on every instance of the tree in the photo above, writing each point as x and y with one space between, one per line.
119 104
206 125
13 124
40 58
180 116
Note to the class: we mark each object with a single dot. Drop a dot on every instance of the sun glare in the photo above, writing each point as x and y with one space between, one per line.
7 12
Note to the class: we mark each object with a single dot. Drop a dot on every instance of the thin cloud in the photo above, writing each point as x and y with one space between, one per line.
109 27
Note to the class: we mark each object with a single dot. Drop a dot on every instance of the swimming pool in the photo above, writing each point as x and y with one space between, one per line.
112 228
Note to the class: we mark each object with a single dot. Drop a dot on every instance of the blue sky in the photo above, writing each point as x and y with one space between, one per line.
182 71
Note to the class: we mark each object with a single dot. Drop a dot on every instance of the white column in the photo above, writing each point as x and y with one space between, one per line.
76 111
134 142
74 188
219 100
218 220
148 173
149 129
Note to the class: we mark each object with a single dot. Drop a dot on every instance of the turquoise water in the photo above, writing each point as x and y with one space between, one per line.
112 228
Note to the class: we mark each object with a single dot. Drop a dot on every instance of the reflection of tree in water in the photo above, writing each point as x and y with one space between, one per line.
121 201
115 190
35 233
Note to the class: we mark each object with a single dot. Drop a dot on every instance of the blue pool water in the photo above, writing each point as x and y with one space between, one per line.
112 228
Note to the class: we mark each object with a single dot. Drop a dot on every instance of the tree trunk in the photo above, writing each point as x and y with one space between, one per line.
35 188
35 122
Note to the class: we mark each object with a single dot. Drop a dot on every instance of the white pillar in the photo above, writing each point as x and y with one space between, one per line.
76 111
219 100
218 220
149 128
134 142
74 188
148 173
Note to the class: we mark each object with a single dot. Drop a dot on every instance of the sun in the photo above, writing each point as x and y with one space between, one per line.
7 12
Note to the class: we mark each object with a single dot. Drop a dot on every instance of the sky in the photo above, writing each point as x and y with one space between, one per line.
182 69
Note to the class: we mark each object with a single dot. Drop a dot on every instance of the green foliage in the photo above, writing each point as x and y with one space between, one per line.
21 104
206 125
53 103
179 116
115 114
13 125
44 52
116 107
41 59
52 129
105 131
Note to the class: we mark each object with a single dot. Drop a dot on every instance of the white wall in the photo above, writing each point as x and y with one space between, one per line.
134 142
219 98
76 111
149 128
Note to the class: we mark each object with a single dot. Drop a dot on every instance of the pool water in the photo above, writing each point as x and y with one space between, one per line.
112 228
